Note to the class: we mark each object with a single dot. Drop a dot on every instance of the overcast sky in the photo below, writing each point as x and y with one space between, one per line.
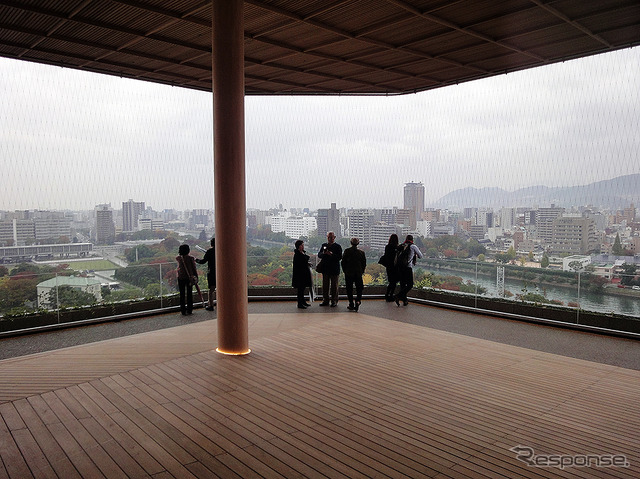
72 140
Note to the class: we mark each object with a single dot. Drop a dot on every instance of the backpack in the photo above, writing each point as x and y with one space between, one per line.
402 256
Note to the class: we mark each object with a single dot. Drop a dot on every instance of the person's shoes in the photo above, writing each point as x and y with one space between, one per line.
334 304
302 306
389 299
357 306
324 303
351 307
306 304
183 313
397 300
189 312
209 308
405 302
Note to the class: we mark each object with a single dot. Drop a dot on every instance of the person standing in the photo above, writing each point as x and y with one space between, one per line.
301 274
330 254
354 263
187 276
408 254
210 258
392 271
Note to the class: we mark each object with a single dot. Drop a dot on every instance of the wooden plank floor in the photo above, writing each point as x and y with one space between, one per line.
324 395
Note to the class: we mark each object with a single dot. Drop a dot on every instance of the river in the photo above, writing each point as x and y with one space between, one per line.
600 302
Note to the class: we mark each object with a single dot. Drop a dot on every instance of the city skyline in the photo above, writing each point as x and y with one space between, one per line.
73 140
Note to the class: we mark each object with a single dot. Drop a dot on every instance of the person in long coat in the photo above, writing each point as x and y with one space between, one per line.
392 271
354 263
187 275
301 273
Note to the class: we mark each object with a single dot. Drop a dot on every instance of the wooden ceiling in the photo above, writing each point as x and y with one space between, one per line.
318 46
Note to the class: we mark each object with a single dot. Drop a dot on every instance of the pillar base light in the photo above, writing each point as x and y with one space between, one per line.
228 353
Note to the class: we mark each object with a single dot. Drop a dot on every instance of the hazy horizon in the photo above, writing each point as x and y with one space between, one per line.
71 140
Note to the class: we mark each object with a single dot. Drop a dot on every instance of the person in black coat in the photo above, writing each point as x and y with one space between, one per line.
210 257
330 255
354 263
301 273
392 271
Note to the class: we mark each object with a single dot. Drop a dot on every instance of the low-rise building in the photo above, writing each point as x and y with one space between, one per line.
87 284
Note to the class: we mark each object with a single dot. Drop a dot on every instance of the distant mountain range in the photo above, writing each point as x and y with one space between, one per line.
616 193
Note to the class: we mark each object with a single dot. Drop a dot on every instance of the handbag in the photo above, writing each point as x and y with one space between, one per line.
383 260
320 267
193 281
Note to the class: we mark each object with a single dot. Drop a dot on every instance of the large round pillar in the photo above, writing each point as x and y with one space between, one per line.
229 176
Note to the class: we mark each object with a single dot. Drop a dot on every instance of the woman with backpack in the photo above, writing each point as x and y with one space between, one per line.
406 257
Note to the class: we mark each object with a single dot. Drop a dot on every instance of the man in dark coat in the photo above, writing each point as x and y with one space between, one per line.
210 257
330 254
353 264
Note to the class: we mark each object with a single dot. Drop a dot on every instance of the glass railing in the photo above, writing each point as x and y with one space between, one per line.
575 295
33 296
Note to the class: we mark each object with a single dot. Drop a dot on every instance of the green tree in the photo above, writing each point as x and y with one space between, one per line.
544 263
475 248
143 251
152 290
432 253
628 273
68 297
502 258
481 258
617 246
140 276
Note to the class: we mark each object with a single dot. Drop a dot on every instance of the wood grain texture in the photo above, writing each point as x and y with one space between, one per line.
337 395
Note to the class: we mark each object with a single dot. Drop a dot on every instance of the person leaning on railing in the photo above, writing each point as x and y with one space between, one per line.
210 258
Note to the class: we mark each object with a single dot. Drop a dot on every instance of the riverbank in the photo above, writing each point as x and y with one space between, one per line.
609 289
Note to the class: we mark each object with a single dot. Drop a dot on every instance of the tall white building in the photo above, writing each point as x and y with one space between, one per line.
292 226
105 227
414 198
507 218
380 233
360 222
131 211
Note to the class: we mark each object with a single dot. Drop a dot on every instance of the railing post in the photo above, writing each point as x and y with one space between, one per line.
578 310
57 299
476 284
160 265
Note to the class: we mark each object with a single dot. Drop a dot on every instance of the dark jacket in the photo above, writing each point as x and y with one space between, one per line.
353 262
331 262
209 257
390 257
301 272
